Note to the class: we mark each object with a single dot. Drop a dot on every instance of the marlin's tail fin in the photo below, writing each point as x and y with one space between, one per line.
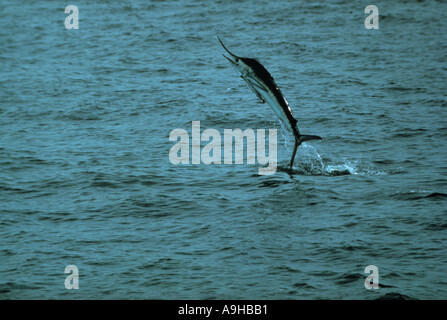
298 140
304 138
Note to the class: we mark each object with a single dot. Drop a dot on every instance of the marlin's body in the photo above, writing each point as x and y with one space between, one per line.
264 86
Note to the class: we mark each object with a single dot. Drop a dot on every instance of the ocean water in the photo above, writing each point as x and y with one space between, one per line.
86 180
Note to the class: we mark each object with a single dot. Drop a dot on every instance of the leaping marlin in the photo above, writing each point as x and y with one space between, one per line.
263 85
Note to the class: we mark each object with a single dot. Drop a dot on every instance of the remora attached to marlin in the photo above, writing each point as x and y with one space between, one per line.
265 88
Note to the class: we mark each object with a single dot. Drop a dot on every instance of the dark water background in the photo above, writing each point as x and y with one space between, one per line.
85 177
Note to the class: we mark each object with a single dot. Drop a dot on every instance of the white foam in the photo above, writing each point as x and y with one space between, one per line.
312 162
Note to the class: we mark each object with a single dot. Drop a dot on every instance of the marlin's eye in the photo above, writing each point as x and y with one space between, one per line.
237 60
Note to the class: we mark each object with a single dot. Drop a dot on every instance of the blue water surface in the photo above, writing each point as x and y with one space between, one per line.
86 180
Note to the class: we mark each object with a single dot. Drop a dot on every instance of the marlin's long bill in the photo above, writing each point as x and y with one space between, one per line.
264 86
227 51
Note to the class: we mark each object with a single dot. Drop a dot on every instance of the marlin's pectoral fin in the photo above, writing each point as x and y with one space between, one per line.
254 82
254 89
258 94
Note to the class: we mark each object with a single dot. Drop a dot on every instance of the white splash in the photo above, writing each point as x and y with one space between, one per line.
311 162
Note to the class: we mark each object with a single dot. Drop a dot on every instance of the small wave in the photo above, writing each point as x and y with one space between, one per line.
349 278
104 184
303 286
435 226
437 195
395 296
418 194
